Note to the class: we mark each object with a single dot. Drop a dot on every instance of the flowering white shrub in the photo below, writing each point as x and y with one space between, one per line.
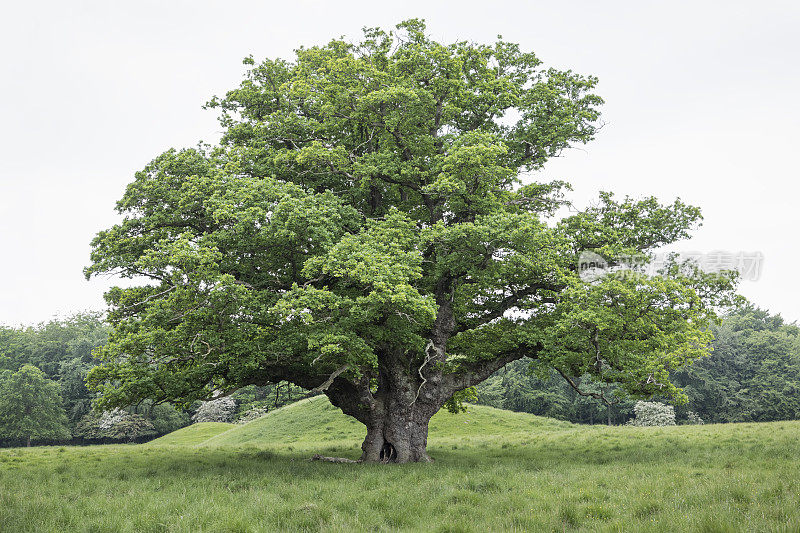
110 419
220 410
653 414
694 418
116 424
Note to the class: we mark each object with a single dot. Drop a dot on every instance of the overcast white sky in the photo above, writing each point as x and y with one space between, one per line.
702 103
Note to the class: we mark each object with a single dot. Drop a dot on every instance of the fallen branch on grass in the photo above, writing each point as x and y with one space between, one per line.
318 457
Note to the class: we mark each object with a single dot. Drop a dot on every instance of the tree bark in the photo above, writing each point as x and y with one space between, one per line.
29 441
400 435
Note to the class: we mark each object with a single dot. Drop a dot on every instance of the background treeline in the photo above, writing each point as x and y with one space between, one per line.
753 374
62 351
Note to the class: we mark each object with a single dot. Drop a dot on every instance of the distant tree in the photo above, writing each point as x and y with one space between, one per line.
31 407
521 386
165 417
12 341
219 410
269 396
62 349
365 231
49 344
71 378
88 427
752 374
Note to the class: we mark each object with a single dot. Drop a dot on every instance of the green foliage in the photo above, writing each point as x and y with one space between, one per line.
364 229
266 397
65 347
637 330
30 407
71 377
457 402
166 418
49 345
522 386
62 349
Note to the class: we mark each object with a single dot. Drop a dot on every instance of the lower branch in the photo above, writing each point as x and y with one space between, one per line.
473 373
327 383
597 395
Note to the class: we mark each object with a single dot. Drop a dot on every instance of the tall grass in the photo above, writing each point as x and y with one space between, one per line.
493 472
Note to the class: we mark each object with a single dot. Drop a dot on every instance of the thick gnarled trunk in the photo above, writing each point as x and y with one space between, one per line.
401 436
396 413
397 419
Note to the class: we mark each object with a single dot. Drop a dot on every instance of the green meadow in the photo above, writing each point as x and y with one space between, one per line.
494 471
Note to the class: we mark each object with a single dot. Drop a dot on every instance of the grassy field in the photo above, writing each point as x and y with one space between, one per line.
494 471
193 434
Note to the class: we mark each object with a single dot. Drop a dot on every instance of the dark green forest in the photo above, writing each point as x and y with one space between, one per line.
752 375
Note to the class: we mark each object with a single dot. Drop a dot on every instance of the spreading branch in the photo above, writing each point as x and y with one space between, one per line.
597 395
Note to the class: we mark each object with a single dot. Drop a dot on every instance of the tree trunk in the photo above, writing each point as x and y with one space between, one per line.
401 436
396 413
29 442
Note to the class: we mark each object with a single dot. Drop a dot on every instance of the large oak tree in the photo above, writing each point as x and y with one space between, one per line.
371 227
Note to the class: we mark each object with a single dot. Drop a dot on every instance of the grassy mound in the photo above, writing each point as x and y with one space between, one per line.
194 434
315 421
